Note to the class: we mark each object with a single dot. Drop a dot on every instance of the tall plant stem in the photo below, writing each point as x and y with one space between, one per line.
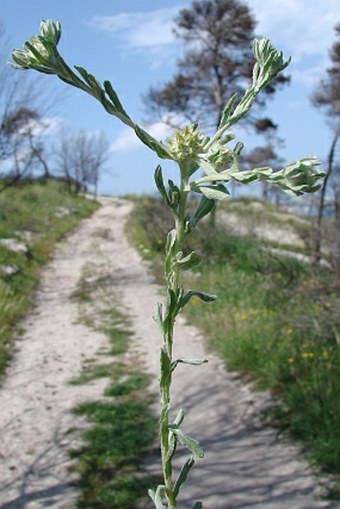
171 311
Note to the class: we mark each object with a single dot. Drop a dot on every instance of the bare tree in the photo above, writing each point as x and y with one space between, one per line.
22 107
327 95
23 146
217 63
80 159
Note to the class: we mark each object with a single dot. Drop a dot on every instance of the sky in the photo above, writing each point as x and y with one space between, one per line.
131 43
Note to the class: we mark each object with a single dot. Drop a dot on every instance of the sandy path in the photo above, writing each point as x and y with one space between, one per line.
246 465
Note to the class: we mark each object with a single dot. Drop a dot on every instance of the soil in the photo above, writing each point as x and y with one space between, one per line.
246 464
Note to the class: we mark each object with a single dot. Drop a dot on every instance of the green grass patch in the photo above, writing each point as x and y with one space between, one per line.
119 339
121 433
133 382
36 215
276 320
93 371
120 437
110 439
99 311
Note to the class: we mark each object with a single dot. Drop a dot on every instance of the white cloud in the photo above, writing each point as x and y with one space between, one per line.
140 29
304 28
51 125
44 127
310 76
125 141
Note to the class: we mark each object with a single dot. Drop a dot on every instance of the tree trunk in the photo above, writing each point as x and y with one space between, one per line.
321 206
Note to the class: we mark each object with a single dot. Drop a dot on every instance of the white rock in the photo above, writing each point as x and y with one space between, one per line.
14 245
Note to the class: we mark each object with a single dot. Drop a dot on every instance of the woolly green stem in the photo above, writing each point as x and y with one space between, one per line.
173 285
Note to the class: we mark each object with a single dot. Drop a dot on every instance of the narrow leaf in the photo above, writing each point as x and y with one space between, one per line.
183 475
205 206
189 261
114 98
156 496
170 241
208 168
238 148
160 185
172 309
188 442
227 110
169 251
206 297
152 143
166 370
192 362
215 192
158 315
179 418
174 194
172 443
91 81
173 297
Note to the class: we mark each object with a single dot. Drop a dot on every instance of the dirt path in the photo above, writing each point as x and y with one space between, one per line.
246 465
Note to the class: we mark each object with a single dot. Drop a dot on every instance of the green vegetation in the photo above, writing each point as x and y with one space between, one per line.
94 294
120 434
192 151
133 382
34 215
93 371
275 319
121 429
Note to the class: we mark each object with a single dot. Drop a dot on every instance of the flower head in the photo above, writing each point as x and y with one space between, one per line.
186 144
220 156
50 31
302 176
40 51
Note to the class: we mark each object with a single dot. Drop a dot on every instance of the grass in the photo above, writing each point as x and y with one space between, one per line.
92 371
121 430
133 382
276 321
36 214
118 439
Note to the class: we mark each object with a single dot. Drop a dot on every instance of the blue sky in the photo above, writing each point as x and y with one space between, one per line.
131 44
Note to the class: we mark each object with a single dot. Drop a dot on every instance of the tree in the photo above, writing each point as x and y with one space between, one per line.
80 159
327 95
217 63
21 125
21 144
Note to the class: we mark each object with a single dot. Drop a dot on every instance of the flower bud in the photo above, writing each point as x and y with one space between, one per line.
40 51
302 177
220 156
51 31
186 144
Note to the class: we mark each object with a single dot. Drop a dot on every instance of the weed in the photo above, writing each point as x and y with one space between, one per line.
191 150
